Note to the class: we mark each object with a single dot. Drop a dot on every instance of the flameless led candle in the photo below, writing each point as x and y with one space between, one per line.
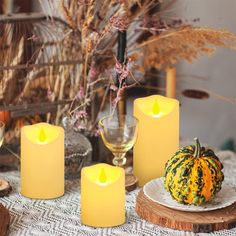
42 161
158 136
102 195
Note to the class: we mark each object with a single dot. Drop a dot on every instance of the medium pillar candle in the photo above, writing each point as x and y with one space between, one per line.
42 161
102 195
158 136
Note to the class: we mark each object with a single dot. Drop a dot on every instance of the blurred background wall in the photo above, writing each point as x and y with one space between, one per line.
212 120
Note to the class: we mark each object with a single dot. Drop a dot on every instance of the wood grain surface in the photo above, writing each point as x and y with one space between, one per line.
131 182
4 220
5 188
206 222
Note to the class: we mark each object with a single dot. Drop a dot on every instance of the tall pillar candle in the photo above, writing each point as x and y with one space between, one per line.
102 195
171 82
42 161
158 136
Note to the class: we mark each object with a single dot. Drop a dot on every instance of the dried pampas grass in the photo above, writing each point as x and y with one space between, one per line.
186 43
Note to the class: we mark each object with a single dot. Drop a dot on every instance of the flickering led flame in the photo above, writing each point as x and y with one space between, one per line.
155 108
42 136
102 176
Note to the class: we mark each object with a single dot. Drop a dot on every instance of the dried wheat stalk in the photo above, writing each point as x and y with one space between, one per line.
153 40
185 43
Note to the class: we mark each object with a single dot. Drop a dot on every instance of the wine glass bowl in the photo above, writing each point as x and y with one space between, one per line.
2 132
119 135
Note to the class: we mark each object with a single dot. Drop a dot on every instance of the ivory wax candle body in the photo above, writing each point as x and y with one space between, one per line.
42 161
158 136
102 195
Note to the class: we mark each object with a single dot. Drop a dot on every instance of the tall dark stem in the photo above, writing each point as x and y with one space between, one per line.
121 46
121 50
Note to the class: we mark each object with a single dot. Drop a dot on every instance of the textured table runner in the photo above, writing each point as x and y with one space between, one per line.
62 216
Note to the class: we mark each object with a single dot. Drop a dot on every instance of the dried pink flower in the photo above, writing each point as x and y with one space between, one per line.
94 72
81 114
81 94
122 70
118 67
80 126
119 22
113 87
49 93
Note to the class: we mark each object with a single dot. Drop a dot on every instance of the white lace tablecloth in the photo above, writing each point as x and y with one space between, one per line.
62 216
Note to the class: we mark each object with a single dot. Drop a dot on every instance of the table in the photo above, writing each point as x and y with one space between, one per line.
62 216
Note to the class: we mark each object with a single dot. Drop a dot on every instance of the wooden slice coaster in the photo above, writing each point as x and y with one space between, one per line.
4 220
130 182
196 222
5 188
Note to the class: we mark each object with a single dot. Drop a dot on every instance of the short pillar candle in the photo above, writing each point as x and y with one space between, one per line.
42 161
158 136
102 196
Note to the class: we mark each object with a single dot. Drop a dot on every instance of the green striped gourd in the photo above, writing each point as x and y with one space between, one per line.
193 175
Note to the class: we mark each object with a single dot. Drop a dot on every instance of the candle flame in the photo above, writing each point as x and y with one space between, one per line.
42 135
155 108
102 176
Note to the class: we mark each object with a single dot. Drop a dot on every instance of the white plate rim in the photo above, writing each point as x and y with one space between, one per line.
190 208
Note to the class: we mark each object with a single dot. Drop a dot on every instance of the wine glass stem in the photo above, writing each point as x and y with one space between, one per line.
119 159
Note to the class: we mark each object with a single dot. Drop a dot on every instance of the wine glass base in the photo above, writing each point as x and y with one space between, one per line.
119 161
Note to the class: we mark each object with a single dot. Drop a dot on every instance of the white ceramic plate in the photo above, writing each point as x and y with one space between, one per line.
155 191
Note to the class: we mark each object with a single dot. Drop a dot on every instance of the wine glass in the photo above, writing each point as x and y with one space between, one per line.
2 132
119 135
